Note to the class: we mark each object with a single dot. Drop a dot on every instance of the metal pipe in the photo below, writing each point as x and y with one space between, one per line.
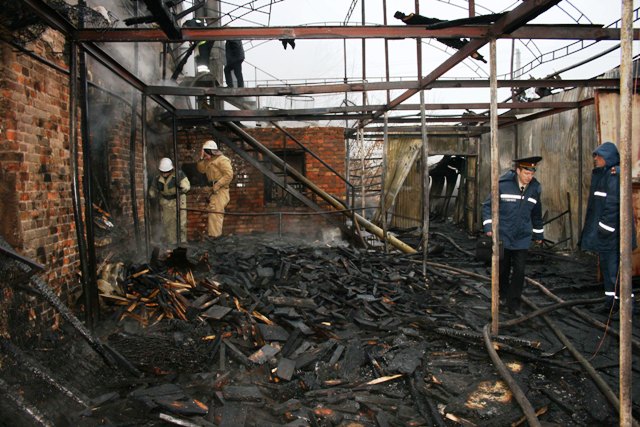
495 191
587 318
602 385
92 308
518 394
597 379
626 212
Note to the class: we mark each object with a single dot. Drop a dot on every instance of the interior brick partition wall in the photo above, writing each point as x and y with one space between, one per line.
247 211
36 210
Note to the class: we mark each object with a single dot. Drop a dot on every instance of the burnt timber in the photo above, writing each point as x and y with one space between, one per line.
269 331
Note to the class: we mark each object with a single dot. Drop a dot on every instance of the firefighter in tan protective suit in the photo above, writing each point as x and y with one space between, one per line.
219 172
164 186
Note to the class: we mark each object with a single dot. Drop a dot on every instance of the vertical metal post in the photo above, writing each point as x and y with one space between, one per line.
133 134
164 60
425 159
386 50
91 289
513 53
75 183
350 188
364 103
145 178
363 188
383 174
385 141
495 196
132 168
626 212
516 146
176 169
425 186
570 220
580 169
364 56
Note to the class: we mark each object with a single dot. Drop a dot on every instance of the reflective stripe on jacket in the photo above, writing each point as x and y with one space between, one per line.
520 213
166 187
601 231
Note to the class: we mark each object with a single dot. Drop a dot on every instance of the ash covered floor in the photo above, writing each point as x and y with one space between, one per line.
267 331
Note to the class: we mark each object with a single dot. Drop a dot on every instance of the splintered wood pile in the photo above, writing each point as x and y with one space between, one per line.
248 331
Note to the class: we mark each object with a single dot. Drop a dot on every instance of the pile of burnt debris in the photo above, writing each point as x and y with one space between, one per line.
269 331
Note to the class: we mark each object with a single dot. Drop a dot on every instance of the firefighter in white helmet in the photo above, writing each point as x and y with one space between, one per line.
164 186
219 173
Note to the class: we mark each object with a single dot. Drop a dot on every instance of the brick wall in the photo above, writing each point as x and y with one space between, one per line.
36 212
37 216
247 211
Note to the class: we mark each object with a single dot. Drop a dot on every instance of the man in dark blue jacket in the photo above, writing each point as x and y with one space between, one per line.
520 221
601 231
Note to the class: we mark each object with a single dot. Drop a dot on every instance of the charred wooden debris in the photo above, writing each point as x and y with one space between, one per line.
260 331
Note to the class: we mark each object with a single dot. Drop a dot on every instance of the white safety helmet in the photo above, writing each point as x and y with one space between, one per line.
166 165
210 145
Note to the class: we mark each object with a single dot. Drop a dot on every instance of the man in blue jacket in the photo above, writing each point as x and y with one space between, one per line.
520 222
601 231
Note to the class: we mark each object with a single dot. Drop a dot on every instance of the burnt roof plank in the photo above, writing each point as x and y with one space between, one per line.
286 369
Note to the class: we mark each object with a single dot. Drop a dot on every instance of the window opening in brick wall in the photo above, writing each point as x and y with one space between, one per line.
276 196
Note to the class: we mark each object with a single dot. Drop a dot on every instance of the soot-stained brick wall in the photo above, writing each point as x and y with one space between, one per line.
36 208
37 216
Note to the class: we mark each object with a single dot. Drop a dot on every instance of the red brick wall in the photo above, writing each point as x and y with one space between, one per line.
37 217
36 211
247 211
